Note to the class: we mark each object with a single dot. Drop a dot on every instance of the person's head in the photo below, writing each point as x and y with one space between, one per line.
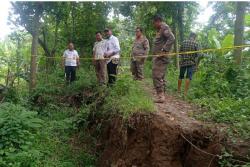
70 46
192 36
138 32
107 32
157 20
98 36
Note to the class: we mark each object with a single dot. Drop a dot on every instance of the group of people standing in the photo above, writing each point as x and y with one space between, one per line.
106 54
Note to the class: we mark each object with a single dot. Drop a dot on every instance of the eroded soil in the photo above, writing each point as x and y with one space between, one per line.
161 139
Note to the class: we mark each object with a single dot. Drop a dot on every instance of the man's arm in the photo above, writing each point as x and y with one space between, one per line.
116 48
170 39
77 59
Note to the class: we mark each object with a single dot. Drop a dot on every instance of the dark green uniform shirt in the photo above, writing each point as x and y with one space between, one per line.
164 39
140 47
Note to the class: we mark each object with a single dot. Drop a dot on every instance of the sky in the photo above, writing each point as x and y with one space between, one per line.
205 12
4 12
202 18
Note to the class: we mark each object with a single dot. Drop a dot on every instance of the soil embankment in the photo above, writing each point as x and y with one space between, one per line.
161 139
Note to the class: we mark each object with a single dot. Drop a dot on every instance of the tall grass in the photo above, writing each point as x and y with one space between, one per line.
127 97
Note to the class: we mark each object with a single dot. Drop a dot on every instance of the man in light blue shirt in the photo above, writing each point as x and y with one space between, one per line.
112 53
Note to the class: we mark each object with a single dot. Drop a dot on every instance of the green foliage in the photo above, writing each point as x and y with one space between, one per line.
57 140
247 20
11 95
30 145
63 22
227 110
18 129
226 160
81 118
222 18
227 41
52 82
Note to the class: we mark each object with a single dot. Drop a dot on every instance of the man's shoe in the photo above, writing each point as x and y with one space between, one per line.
160 98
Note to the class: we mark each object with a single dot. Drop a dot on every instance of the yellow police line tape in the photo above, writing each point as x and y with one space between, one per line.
164 54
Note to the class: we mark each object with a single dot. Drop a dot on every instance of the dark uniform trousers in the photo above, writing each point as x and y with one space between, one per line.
137 68
112 71
159 72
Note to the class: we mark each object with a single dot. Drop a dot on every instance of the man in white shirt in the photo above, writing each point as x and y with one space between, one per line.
113 54
70 62
98 58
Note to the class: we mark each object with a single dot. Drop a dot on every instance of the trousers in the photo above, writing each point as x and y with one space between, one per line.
112 72
100 69
137 68
159 72
70 72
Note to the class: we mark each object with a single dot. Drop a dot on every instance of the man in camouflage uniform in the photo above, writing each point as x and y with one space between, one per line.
162 45
140 50
188 62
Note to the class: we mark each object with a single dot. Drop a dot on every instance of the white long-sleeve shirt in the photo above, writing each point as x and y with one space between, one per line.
113 46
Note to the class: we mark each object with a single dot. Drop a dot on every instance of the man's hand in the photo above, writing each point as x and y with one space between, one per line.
164 53
106 55
163 50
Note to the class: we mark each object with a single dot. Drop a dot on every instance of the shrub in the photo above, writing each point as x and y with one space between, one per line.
127 96
18 128
11 95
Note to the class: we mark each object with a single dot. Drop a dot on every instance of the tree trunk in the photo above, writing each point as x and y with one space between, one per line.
33 65
34 46
176 49
72 33
180 21
239 30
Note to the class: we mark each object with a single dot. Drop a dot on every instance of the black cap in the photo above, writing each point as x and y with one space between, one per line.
106 29
158 17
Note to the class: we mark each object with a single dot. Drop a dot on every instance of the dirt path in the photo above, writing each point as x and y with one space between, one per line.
176 110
